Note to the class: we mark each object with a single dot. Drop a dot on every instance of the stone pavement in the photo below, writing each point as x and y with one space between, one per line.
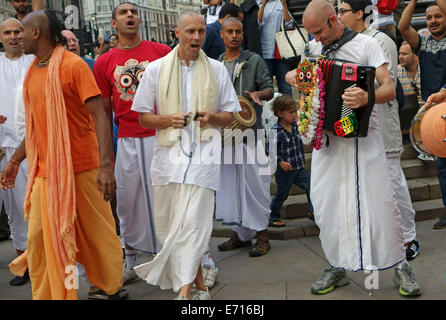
285 273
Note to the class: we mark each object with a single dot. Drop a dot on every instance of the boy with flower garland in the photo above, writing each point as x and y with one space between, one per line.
290 157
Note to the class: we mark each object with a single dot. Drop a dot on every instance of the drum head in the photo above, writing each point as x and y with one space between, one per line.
414 133
433 130
247 117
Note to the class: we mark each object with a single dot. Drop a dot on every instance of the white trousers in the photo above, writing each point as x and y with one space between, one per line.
134 194
243 200
183 220
402 197
13 200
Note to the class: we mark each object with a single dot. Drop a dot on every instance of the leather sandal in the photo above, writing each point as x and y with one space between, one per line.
233 243
261 248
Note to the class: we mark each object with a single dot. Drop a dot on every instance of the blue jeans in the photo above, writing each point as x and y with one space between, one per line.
279 69
441 170
284 181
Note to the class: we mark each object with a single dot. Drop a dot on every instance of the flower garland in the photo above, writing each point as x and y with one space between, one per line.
312 113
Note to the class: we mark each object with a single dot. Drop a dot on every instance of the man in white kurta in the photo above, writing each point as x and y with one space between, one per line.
185 170
13 67
244 197
354 207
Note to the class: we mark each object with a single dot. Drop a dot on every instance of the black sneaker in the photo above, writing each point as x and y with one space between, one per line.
122 294
20 280
412 250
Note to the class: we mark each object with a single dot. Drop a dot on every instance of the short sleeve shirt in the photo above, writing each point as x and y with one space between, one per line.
118 74
171 164
78 85
432 57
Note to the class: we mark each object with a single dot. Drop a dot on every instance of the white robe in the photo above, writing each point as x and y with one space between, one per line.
354 206
351 191
183 224
244 195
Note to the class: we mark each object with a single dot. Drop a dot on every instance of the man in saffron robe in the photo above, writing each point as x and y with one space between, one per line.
70 175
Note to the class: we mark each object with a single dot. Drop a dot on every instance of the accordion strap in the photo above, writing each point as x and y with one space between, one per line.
348 35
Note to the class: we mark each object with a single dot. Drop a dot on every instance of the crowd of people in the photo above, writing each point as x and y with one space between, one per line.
108 157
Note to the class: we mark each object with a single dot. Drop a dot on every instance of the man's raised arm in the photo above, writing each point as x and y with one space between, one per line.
409 33
441 4
38 5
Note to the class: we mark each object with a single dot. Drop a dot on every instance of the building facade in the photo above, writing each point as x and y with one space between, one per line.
158 17
6 10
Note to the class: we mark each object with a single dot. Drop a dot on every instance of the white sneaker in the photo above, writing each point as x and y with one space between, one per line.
201 295
129 276
209 275
180 298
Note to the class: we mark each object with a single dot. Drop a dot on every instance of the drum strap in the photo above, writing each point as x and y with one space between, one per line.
348 35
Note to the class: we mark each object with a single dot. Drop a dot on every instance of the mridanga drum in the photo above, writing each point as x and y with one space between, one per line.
433 130
415 135
428 131
242 120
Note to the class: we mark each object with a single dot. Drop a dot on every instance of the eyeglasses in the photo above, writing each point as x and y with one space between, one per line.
342 11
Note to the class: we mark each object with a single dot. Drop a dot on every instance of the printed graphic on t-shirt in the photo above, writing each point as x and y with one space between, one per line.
128 77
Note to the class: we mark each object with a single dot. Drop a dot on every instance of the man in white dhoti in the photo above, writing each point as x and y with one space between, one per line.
13 66
118 74
353 14
244 197
354 207
193 93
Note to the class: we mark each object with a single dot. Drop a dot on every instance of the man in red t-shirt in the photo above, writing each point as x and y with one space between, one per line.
118 73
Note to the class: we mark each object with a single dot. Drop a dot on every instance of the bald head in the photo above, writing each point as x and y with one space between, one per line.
321 21
10 22
318 10
72 42
38 20
186 14
231 21
42 29
11 32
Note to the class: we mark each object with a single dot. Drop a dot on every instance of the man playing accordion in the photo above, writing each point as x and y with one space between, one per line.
360 227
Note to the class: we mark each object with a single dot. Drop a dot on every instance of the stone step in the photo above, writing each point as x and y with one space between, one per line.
412 166
420 188
415 168
409 151
303 227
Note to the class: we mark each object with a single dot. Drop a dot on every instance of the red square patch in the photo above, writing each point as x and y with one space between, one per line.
349 72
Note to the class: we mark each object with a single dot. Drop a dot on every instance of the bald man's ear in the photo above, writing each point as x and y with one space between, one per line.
177 32
36 33
333 19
